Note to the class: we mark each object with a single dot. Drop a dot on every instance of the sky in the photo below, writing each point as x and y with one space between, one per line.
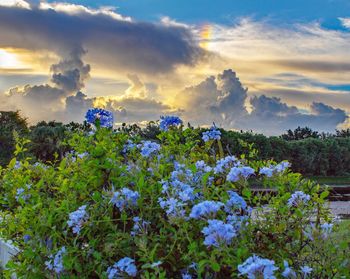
265 66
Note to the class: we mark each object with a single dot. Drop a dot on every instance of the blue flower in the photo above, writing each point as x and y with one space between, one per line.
281 167
306 270
212 134
140 226
269 171
202 166
105 117
125 266
218 233
77 218
173 207
236 173
128 146
26 238
55 263
223 164
236 204
255 267
326 229
298 198
205 209
288 272
148 148
186 276
125 198
20 193
266 171
168 121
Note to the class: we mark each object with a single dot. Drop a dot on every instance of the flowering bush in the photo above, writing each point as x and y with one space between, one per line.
120 207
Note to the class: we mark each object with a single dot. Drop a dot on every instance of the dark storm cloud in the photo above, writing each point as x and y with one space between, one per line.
122 44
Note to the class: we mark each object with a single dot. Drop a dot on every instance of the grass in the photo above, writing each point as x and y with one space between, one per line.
331 180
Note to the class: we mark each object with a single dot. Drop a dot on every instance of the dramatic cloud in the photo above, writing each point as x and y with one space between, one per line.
345 22
224 100
110 39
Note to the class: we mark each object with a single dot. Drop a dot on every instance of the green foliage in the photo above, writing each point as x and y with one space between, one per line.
101 165
10 122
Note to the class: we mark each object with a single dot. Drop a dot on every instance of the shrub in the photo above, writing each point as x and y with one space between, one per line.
113 209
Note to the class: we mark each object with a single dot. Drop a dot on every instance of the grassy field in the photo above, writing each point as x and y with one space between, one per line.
332 180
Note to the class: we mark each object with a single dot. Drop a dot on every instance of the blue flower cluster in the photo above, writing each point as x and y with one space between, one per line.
55 263
298 198
306 270
212 134
269 171
217 233
140 226
180 191
128 146
236 204
125 198
256 267
326 229
202 166
105 117
122 268
20 193
236 173
148 148
168 121
226 163
77 218
288 272
173 207
205 209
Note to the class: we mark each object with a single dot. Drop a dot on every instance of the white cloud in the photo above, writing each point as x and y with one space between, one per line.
15 3
345 21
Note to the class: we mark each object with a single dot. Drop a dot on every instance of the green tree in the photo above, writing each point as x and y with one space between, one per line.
47 141
10 122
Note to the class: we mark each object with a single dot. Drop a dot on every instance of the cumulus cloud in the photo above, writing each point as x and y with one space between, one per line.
111 40
224 100
345 21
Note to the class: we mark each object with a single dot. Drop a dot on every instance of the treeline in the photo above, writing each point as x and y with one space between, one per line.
310 152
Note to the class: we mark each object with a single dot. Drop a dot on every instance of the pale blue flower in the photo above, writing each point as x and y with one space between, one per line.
125 198
168 121
266 171
288 272
223 164
123 267
55 263
206 209
212 134
148 148
255 267
77 218
202 166
218 233
235 203
140 226
236 173
173 207
186 276
327 229
306 270
298 198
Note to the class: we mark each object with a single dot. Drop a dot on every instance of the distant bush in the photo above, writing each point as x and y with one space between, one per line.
177 207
